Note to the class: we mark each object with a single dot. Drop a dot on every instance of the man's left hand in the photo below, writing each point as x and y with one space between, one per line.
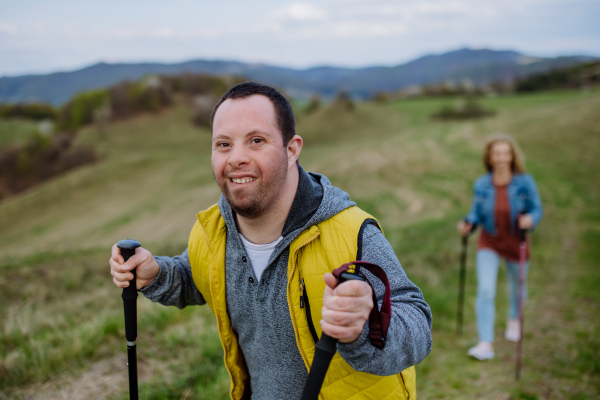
346 308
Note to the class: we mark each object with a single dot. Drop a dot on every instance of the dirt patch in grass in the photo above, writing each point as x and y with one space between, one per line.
100 380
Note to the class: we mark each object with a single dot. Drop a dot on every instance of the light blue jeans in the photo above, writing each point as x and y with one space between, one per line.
488 263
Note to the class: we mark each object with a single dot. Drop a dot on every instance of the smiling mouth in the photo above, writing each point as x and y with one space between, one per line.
242 180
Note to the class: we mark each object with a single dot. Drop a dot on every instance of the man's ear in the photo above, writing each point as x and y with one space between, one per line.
294 148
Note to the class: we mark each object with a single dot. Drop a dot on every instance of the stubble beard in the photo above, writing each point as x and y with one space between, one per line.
256 204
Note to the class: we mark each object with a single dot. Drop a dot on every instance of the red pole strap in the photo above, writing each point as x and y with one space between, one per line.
379 320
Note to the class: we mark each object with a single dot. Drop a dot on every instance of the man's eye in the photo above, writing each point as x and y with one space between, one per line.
223 145
257 140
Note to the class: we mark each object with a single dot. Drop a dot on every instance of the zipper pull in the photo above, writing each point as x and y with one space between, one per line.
302 293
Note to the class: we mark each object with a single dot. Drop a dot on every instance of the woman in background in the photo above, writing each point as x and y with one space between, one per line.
505 200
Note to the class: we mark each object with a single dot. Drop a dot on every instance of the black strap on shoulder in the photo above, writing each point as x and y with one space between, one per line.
325 348
304 295
361 232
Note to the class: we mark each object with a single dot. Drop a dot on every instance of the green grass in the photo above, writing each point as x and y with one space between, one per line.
16 131
61 325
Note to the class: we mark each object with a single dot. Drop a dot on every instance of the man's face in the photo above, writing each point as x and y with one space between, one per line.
249 159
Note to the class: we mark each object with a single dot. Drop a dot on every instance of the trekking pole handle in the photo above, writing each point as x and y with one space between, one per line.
130 294
325 349
328 343
348 276
473 227
523 235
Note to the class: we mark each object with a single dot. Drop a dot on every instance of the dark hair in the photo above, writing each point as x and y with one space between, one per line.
283 109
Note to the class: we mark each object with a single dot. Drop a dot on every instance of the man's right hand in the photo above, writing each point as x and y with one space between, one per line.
143 262
464 228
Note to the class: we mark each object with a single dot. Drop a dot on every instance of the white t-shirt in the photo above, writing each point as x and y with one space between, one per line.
259 254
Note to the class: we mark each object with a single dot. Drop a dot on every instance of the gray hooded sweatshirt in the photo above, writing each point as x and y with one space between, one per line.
259 310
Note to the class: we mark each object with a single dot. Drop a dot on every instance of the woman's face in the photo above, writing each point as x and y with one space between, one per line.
501 156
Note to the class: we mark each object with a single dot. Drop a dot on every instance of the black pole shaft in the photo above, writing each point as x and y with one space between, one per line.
132 367
324 351
461 285
130 310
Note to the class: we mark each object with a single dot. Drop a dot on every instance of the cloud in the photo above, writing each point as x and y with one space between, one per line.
411 10
300 12
337 21
378 19
8 28
362 29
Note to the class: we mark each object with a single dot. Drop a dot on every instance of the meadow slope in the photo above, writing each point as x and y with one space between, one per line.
61 324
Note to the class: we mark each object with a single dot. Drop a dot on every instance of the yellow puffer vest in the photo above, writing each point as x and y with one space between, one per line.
317 250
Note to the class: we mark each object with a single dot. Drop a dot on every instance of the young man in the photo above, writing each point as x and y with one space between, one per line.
262 259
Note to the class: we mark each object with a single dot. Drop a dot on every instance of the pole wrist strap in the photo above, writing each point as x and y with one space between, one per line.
379 319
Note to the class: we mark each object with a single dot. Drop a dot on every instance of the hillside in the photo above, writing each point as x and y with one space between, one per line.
579 76
61 324
480 66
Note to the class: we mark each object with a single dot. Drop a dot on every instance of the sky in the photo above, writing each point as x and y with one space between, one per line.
41 36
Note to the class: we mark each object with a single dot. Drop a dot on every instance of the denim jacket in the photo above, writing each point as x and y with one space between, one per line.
523 197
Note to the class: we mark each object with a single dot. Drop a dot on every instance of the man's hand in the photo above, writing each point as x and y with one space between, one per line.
143 262
346 308
525 221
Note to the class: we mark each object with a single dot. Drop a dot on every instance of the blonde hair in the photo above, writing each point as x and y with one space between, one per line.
518 160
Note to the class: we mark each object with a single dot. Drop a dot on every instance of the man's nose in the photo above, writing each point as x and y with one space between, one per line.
239 156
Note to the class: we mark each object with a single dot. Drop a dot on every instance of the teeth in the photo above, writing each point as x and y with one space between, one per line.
243 180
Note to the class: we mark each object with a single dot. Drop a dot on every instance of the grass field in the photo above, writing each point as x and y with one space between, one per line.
61 323
16 131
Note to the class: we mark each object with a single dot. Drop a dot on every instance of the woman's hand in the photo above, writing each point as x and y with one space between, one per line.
525 221
464 228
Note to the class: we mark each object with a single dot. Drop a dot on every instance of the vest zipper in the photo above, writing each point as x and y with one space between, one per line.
304 302
306 363
302 293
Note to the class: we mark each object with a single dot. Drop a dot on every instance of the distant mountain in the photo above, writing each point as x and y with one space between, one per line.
479 66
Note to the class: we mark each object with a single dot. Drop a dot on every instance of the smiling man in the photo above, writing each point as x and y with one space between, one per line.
261 259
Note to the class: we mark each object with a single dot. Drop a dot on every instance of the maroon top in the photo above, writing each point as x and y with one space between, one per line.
505 243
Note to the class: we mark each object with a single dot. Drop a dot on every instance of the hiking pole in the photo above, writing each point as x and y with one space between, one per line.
130 308
461 285
522 256
461 282
324 351
379 322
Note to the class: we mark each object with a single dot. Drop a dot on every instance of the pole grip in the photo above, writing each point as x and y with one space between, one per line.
325 349
523 235
129 294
